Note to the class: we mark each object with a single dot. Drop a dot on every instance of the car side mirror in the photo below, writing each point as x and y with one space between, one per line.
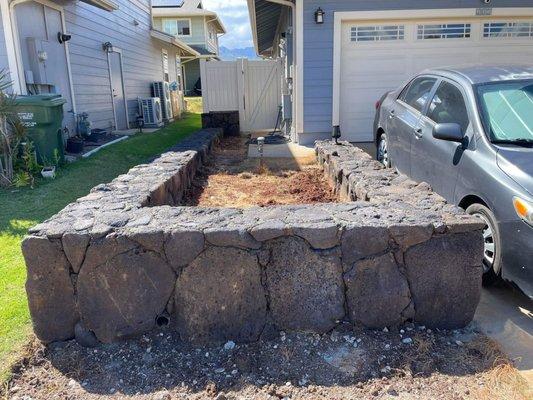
451 132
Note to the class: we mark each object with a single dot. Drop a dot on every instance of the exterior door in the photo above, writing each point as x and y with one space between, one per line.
435 161
43 55
117 89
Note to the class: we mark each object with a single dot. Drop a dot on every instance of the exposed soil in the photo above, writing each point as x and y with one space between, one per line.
231 179
411 363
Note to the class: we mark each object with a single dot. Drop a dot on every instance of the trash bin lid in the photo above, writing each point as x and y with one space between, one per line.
40 100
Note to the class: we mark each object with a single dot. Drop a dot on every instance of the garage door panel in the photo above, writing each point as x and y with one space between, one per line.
375 65
517 55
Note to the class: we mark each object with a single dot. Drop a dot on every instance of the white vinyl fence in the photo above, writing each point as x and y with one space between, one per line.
251 87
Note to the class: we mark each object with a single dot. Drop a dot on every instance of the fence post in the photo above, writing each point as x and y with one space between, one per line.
242 69
204 79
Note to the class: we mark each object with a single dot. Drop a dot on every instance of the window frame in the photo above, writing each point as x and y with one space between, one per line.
419 36
408 86
489 37
401 33
465 100
165 65
175 21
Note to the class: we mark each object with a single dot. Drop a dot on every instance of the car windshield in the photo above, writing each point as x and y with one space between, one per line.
508 111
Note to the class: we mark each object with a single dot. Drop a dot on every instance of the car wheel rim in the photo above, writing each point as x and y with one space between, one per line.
383 154
489 250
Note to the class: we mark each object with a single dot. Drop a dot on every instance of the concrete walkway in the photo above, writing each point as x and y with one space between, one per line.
506 316
299 155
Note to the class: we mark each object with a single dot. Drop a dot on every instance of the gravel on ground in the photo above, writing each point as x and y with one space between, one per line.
410 362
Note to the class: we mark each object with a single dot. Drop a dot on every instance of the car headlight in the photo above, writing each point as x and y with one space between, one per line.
524 209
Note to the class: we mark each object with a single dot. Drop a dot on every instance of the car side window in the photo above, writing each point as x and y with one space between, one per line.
448 106
417 93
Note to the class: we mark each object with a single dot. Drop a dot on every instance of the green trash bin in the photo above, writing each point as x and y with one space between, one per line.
42 115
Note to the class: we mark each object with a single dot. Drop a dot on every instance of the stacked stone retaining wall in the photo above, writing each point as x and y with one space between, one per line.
127 257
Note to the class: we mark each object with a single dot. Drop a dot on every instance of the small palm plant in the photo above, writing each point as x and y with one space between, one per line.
12 132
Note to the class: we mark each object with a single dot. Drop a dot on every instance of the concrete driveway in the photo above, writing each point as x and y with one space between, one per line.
506 315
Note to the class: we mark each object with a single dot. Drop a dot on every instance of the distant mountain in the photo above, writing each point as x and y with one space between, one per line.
232 54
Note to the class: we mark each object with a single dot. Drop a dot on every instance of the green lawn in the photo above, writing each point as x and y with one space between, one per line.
194 104
22 208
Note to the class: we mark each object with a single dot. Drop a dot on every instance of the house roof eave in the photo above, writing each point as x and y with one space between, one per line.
265 16
253 22
170 39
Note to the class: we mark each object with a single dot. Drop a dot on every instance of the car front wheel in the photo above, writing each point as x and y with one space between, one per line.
492 244
383 151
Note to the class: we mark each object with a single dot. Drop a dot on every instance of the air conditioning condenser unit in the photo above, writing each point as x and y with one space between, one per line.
151 112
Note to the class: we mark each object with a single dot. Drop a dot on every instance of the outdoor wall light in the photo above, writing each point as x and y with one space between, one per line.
319 16
63 37
107 47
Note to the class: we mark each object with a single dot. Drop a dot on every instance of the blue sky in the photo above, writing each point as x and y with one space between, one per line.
234 15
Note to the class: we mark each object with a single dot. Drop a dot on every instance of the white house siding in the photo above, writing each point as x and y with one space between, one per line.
141 56
318 51
198 35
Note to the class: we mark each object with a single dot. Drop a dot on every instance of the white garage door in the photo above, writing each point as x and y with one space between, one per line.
380 56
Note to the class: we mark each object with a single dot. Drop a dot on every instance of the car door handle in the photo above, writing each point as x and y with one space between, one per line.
418 133
392 114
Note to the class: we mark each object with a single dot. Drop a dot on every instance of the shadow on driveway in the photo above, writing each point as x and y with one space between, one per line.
506 315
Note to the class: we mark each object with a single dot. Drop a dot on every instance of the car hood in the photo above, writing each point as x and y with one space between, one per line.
517 163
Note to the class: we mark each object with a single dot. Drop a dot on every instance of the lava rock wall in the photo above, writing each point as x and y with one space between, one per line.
127 257
227 120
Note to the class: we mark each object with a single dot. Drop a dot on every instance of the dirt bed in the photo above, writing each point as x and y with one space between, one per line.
411 363
231 179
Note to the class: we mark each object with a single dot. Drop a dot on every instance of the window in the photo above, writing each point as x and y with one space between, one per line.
444 31
177 27
506 110
166 76
417 94
508 30
377 33
448 106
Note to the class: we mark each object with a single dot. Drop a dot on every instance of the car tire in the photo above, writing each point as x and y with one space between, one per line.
492 258
383 151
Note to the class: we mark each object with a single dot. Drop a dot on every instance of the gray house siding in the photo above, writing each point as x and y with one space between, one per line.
141 57
4 63
127 28
318 51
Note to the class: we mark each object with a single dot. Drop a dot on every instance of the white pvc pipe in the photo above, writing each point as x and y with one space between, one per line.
90 153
